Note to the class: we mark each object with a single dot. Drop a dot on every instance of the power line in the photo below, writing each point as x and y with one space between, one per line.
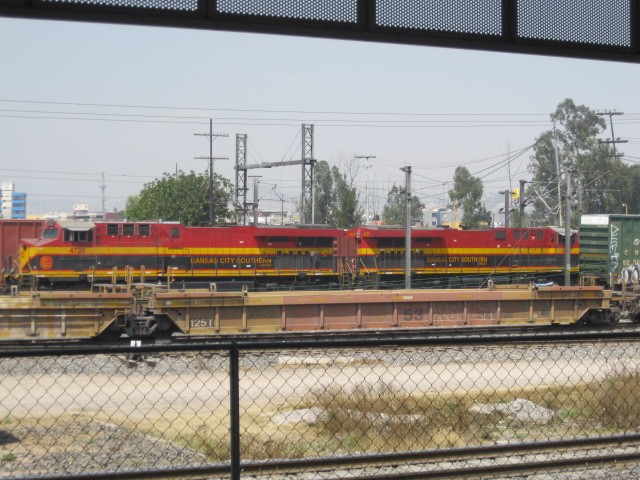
60 172
318 112
67 179
179 117
278 122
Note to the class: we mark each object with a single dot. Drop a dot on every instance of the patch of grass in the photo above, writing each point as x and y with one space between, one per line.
379 418
7 457
255 446
615 401
373 418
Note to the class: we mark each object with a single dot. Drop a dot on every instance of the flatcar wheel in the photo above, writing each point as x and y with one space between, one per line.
614 316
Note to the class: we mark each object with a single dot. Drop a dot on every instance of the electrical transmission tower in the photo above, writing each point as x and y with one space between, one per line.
241 179
307 162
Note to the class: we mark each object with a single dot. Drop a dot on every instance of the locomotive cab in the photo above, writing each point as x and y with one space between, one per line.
80 233
58 255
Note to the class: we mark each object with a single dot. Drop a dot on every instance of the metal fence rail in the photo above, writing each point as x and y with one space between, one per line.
317 409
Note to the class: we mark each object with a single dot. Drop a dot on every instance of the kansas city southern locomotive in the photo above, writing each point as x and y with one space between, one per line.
69 253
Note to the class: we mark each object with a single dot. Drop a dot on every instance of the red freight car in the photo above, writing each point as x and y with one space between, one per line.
11 231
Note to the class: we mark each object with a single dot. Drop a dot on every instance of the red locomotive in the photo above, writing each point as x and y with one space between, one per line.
450 258
69 252
296 256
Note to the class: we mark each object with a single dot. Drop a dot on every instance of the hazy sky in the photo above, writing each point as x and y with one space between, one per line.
77 100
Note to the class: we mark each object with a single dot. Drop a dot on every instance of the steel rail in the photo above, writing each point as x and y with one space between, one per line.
324 339
434 332
379 460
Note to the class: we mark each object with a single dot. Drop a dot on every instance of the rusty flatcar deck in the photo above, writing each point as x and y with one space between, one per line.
201 312
61 314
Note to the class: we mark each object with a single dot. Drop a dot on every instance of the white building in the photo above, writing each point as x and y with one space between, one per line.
14 204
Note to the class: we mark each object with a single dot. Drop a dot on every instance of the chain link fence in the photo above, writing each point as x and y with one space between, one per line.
324 409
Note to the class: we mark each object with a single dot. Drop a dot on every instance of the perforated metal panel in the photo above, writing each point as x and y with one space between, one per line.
480 17
599 22
175 5
345 11
596 29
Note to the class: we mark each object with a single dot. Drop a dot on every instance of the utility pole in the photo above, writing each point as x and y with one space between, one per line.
254 205
567 229
407 234
579 187
255 199
103 188
211 158
555 149
522 202
366 185
613 140
507 201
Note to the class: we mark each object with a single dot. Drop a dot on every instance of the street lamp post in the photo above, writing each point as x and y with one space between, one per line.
626 208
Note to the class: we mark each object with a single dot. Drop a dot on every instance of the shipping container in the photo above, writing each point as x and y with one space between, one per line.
11 231
610 248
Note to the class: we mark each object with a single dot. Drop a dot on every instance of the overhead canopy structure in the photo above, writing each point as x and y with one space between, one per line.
595 29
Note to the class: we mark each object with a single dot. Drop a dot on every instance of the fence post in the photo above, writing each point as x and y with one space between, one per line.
234 399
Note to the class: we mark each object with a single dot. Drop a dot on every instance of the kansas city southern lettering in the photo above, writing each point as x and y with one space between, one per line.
228 261
475 260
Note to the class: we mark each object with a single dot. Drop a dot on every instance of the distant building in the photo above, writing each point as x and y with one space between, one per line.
14 204
81 212
443 217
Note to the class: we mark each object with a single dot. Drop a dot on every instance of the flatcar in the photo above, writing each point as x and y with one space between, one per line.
68 253
146 312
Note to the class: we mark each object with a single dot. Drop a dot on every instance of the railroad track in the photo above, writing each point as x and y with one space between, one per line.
503 335
597 457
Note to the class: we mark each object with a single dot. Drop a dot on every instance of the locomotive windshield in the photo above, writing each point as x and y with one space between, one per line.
50 233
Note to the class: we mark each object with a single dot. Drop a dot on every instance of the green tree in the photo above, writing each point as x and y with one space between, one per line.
346 212
324 194
467 193
605 182
183 198
335 198
394 211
